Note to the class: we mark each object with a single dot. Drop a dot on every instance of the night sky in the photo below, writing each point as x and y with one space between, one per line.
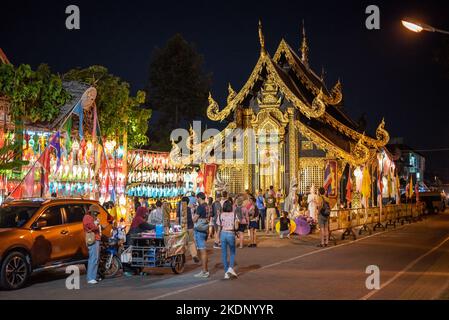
389 72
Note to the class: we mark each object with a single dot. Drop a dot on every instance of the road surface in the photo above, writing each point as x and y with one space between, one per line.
413 260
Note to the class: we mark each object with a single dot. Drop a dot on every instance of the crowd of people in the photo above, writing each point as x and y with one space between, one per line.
225 219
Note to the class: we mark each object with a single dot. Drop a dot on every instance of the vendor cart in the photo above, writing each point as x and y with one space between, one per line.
157 252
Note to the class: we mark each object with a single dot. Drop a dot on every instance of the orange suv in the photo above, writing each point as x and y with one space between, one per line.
38 234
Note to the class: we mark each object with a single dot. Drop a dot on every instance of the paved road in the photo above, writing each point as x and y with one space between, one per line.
413 260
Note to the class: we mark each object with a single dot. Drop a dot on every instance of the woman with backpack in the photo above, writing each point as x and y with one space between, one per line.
323 218
227 221
242 216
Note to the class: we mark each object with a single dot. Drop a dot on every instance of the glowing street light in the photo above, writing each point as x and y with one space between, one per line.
418 27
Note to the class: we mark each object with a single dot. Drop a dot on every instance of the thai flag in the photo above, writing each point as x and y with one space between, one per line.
328 179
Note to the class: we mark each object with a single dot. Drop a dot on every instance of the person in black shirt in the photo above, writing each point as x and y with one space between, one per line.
284 225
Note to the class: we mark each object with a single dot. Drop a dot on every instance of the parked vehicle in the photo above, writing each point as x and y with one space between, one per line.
432 202
110 263
37 235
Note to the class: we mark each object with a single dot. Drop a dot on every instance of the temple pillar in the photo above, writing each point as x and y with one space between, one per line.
248 154
292 155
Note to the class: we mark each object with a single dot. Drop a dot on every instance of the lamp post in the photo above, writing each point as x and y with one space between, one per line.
418 26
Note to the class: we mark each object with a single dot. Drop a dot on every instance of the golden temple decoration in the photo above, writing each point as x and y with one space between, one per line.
199 150
315 111
231 94
213 110
360 155
269 93
311 162
336 94
175 153
269 107
381 134
318 101
261 39
304 47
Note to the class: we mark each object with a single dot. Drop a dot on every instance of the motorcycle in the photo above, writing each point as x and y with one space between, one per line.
110 263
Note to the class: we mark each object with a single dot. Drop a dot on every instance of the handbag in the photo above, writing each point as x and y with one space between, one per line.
90 238
201 225
236 223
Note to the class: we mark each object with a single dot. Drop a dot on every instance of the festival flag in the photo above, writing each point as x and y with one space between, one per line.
78 110
410 189
94 129
29 183
2 138
398 189
389 185
55 143
209 177
17 193
366 183
68 140
417 191
349 188
328 179
380 185
44 160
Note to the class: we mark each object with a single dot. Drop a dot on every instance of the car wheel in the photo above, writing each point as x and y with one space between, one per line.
15 271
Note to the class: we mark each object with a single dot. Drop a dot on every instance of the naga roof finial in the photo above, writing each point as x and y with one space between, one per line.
304 46
261 39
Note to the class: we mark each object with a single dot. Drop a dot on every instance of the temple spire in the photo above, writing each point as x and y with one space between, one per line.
261 39
304 46
323 73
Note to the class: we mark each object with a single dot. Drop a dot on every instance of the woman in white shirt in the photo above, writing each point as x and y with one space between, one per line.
312 200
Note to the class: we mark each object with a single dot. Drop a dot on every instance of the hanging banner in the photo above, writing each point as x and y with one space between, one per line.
330 179
210 171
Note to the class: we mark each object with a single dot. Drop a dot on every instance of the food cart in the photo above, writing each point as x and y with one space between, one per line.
156 250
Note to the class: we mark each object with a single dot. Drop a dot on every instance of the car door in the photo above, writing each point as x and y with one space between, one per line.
74 214
50 242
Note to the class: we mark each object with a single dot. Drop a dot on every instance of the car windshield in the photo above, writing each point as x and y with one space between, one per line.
16 216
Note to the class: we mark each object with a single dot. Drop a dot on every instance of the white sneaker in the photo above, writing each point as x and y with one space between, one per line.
232 272
227 276
92 282
202 275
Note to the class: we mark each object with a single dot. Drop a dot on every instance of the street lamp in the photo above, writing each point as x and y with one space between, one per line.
418 26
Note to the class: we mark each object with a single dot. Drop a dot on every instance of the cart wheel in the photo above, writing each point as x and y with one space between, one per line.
178 263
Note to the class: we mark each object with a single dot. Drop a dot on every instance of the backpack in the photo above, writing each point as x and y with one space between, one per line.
325 210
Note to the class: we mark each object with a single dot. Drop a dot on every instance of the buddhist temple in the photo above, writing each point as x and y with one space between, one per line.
283 95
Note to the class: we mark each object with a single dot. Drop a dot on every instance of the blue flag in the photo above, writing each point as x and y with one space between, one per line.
78 110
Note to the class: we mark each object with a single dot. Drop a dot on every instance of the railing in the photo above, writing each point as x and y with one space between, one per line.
353 221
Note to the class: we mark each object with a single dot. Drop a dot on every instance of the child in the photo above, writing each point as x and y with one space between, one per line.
284 225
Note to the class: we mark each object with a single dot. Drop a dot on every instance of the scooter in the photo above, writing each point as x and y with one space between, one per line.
110 263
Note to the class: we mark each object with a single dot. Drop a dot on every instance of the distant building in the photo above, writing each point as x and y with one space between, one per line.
408 161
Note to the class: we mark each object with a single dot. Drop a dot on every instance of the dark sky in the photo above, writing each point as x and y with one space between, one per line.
389 72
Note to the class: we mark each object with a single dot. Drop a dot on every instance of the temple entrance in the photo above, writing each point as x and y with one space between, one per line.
268 159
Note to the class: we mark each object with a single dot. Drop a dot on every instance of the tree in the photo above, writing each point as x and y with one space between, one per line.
118 111
177 88
34 96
